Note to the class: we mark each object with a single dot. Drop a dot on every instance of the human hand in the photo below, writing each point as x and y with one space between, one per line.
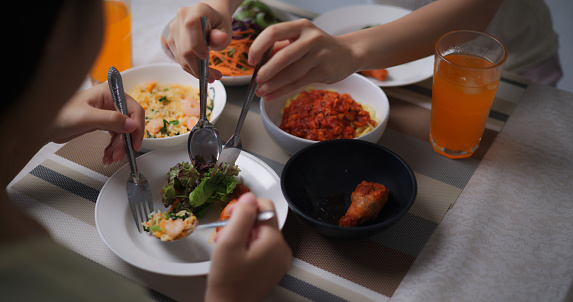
93 109
186 37
250 257
304 54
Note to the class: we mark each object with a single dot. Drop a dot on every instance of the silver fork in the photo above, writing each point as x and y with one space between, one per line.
137 187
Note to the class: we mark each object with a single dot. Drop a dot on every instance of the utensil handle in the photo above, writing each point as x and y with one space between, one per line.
252 89
204 71
118 95
262 216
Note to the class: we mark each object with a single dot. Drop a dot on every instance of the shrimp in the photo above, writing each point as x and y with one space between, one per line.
191 121
190 106
173 227
367 201
149 85
154 125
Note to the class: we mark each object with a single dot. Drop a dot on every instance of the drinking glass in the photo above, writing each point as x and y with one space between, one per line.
467 69
116 48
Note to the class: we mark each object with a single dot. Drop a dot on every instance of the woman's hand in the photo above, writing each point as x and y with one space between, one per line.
93 109
186 36
250 257
304 54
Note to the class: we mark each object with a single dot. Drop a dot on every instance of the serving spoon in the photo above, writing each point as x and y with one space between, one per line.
261 217
204 143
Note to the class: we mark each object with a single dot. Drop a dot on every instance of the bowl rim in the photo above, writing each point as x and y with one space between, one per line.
383 120
364 228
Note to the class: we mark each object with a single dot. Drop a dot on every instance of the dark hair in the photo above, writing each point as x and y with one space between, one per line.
27 35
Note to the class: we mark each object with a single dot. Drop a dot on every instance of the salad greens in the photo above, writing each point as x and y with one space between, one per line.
254 14
195 188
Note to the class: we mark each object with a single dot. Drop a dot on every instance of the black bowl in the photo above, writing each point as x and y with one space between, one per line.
317 182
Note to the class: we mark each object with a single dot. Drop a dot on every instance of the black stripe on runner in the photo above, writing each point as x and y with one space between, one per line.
419 89
65 183
308 290
514 83
498 116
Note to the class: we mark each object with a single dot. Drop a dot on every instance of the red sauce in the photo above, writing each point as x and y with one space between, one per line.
323 115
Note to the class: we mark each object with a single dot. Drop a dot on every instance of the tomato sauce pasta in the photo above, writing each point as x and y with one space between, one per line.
323 115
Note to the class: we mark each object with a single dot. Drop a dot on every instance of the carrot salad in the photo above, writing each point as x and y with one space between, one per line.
232 61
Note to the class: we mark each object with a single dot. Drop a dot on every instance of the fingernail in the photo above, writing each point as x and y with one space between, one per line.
259 92
251 61
130 125
268 97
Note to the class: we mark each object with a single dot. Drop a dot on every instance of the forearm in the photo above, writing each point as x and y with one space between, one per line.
414 35
225 7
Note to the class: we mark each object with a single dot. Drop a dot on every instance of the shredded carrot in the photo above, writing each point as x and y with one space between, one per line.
379 74
174 203
232 61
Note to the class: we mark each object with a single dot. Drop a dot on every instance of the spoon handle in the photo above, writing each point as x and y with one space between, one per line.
262 216
204 71
118 95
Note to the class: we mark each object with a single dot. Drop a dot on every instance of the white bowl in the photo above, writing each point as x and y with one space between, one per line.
358 87
172 74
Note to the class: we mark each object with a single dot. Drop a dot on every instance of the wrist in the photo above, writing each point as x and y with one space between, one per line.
358 54
224 7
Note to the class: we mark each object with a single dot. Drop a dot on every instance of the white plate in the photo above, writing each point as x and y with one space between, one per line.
187 257
353 18
227 80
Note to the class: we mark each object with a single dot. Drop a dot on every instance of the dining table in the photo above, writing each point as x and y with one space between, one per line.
497 226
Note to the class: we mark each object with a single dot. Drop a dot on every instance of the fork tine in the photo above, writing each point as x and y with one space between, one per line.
149 208
142 212
134 213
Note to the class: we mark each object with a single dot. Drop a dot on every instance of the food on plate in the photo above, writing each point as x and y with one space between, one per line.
169 226
196 188
170 109
189 192
379 74
321 115
366 202
240 189
249 20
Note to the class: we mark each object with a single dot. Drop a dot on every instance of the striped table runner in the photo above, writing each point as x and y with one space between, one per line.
61 193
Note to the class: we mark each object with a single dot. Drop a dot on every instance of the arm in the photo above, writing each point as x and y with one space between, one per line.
93 109
249 258
186 39
306 54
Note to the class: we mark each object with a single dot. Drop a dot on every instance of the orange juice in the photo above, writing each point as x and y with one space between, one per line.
463 90
116 48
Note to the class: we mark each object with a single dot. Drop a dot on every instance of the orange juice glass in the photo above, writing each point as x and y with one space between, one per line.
116 47
467 70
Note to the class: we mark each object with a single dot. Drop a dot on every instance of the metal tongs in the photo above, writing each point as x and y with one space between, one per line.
234 145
